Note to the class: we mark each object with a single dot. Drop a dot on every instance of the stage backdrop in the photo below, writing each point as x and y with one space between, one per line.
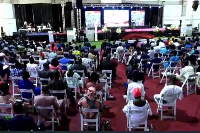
92 18
138 18
116 18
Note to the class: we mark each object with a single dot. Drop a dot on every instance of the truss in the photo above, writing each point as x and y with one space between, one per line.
121 5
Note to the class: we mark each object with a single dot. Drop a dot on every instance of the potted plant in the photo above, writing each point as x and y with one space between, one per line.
119 31
104 31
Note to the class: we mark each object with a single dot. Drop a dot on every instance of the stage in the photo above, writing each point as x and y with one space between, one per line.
126 34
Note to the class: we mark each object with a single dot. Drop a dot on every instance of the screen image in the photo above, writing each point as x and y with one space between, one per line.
92 18
116 18
137 18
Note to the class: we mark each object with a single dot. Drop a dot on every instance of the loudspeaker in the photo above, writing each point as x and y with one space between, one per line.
68 6
79 4
195 5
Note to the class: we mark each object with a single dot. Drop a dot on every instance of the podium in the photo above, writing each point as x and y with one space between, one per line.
90 34
71 34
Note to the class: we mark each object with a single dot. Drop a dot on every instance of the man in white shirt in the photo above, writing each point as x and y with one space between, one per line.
185 72
151 53
132 85
177 44
119 48
137 110
171 89
161 45
87 62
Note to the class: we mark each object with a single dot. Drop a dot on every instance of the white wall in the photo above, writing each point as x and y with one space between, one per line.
7 18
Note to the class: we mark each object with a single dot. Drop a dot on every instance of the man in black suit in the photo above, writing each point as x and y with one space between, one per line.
20 122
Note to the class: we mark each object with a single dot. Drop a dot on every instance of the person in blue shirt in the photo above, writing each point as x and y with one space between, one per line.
25 83
87 44
194 51
59 45
155 60
165 50
145 56
64 61
187 46
71 56
126 44
172 58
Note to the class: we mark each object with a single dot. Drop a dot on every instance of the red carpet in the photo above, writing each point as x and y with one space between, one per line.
188 110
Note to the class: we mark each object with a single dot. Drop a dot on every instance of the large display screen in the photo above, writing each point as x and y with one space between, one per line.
137 18
92 18
116 18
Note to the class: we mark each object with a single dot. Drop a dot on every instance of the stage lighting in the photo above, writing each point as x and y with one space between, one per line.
131 7
75 7
85 7
141 7
122 7
113 7
93 7
107 5
159 7
103 7
150 7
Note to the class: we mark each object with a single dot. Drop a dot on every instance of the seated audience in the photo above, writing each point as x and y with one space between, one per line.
54 66
169 89
51 56
137 104
42 61
65 61
185 72
20 122
25 83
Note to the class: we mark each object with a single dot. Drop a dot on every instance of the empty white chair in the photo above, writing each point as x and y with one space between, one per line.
109 78
104 83
15 81
53 117
43 80
74 85
142 63
152 72
95 120
63 92
190 82
5 107
169 71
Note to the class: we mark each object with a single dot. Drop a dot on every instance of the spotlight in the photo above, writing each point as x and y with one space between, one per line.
113 7
85 7
93 7
102 7
150 7
141 7
122 7
75 7
107 5
159 7
131 7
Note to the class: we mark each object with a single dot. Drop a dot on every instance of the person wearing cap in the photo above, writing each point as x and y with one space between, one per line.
139 105
42 61
169 89
134 84
185 72
90 101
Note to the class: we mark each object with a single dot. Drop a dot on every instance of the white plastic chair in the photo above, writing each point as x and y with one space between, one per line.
189 82
109 78
141 64
33 74
74 85
152 73
6 106
36 58
53 117
96 120
14 80
104 83
81 72
171 102
131 125
53 92
169 71
43 80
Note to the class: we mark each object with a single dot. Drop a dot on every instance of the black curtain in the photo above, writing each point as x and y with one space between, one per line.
57 16
20 15
42 13
67 18
29 14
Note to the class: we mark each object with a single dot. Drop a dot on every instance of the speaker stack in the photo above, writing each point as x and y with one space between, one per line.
195 5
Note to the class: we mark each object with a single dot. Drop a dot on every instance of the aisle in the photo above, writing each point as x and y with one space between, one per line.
188 109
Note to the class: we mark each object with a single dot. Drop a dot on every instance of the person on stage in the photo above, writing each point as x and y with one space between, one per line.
25 25
48 25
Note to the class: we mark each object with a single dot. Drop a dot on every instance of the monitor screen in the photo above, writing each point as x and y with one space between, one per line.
92 18
116 18
137 18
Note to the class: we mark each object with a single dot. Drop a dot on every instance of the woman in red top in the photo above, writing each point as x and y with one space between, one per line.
54 66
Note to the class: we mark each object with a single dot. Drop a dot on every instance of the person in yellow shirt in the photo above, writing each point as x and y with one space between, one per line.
76 52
